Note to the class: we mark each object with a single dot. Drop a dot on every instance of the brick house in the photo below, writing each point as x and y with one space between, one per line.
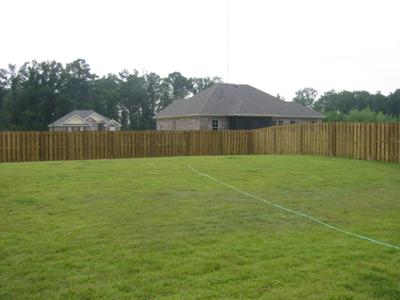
232 106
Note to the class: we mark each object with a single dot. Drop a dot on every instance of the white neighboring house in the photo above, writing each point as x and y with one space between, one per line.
84 120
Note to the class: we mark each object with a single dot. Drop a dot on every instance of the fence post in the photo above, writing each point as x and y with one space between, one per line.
301 138
333 139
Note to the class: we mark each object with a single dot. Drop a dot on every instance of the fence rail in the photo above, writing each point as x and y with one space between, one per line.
370 141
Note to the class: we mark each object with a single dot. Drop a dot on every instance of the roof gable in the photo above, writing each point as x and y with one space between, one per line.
97 118
112 122
75 120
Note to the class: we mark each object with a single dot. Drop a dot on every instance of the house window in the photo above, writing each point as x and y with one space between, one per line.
280 123
292 122
214 124
273 123
101 127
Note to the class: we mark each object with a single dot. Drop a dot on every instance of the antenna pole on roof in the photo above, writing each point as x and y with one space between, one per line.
227 40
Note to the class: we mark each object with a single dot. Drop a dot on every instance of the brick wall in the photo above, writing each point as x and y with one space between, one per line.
205 123
189 123
192 123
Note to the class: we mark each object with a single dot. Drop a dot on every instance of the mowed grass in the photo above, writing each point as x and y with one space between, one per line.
152 229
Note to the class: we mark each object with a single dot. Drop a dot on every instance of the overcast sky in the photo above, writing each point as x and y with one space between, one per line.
277 46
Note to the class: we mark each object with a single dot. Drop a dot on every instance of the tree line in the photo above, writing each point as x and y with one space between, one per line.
38 93
352 106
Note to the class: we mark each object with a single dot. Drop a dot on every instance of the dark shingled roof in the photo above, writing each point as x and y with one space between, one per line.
81 113
234 100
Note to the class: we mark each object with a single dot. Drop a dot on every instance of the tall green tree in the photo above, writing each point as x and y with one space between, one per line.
346 101
199 84
78 85
393 104
133 98
50 82
37 93
153 97
166 96
4 90
28 98
181 86
306 97
106 96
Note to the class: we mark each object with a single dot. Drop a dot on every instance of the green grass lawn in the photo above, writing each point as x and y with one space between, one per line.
152 229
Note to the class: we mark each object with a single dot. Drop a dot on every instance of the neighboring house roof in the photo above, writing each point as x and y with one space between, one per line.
82 115
235 100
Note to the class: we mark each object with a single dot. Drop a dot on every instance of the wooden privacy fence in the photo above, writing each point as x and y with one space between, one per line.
43 146
370 141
